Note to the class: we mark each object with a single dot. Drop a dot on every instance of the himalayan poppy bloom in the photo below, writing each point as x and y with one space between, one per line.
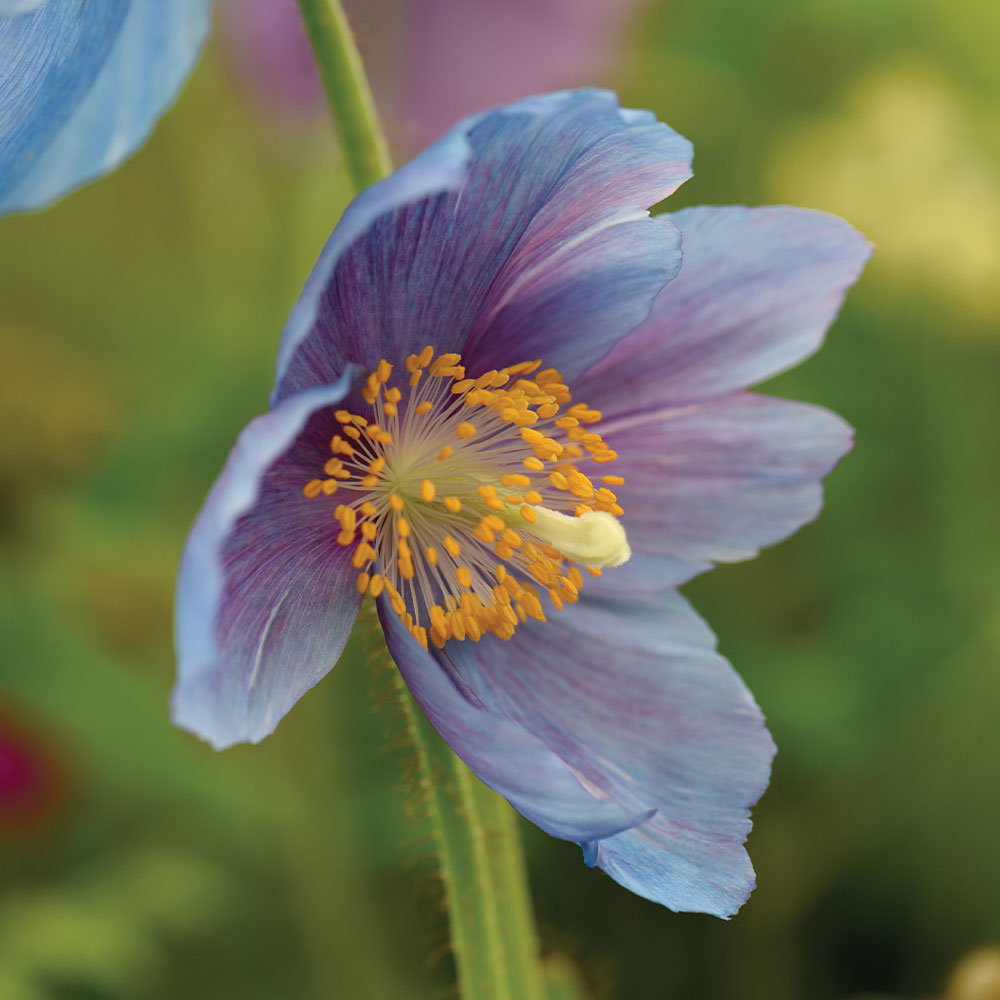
82 82
511 407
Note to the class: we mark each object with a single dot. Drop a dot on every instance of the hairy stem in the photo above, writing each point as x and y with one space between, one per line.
481 861
480 855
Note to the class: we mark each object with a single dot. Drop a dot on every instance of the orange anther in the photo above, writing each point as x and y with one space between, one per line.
515 479
363 554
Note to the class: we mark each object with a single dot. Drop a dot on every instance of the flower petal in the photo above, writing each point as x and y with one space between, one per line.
83 82
266 598
716 481
757 290
502 753
313 327
632 696
8 8
536 219
696 873
577 303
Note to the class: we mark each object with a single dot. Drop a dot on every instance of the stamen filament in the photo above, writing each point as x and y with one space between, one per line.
486 467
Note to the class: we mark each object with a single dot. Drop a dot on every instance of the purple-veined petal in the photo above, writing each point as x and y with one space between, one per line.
715 481
535 221
629 691
311 329
502 753
82 83
589 292
266 598
757 290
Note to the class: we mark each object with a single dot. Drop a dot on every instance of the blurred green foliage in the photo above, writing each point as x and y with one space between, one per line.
138 325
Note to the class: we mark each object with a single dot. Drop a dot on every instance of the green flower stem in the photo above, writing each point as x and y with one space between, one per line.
482 864
482 867
365 150
512 893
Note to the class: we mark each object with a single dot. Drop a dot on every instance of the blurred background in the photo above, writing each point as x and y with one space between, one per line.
138 324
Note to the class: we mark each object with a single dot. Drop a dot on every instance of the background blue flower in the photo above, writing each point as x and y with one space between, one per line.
82 82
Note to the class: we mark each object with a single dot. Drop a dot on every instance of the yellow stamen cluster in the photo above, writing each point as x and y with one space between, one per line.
441 487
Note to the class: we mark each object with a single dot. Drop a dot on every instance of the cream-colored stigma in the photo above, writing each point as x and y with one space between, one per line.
594 539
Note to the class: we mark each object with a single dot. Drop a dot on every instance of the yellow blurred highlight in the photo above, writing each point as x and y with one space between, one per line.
976 977
902 163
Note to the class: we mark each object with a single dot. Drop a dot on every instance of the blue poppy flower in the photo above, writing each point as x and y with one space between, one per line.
82 83
511 411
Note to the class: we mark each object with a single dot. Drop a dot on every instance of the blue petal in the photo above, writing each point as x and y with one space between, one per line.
716 481
576 304
83 82
8 8
304 341
690 873
266 598
632 697
502 753
757 290
522 233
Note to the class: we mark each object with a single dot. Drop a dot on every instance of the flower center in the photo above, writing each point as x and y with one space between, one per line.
465 498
